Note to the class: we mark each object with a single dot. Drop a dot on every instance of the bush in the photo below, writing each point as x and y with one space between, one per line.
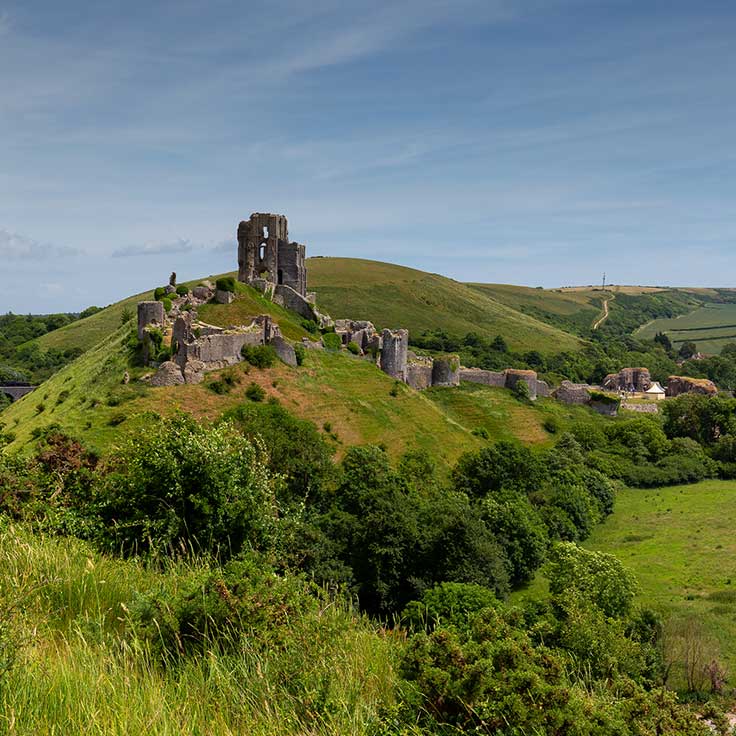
255 392
331 341
481 432
126 316
225 283
182 290
551 425
259 356
159 293
448 604
300 352
167 304
521 391
354 348
184 485
310 326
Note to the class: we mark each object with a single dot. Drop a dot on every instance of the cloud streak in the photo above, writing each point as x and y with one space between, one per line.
14 246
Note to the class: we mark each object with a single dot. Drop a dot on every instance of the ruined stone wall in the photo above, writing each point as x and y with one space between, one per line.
394 353
677 385
446 371
264 252
573 393
419 375
292 269
628 379
514 375
487 378
150 313
290 299
258 246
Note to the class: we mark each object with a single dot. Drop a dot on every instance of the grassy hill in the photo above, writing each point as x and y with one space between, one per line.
396 296
348 397
572 311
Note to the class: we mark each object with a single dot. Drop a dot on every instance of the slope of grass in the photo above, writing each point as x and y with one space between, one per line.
679 541
504 417
395 296
348 397
78 667
574 311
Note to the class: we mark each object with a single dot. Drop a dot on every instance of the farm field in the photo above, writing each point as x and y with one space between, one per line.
710 327
679 542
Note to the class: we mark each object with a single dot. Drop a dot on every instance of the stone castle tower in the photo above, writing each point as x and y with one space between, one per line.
264 252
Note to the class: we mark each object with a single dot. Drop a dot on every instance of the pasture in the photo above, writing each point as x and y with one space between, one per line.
710 327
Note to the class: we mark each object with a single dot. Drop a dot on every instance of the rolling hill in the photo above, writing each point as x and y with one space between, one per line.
347 396
396 296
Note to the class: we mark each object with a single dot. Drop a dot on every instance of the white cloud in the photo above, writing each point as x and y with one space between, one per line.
181 245
14 246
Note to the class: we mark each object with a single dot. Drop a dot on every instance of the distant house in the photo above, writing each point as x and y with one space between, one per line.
655 391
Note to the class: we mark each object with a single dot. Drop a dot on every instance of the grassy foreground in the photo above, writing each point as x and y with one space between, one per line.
70 660
679 542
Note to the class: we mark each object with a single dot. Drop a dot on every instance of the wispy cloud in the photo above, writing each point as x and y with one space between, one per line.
14 246
181 245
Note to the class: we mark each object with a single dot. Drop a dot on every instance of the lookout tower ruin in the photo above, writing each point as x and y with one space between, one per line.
264 252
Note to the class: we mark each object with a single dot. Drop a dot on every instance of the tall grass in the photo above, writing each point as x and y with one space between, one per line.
79 668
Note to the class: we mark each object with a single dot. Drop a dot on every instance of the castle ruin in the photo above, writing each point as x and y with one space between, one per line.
265 253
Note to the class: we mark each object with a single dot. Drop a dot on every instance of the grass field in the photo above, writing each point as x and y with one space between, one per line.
395 296
710 327
679 542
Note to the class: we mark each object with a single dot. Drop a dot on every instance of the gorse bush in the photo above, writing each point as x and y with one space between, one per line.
225 283
354 348
182 290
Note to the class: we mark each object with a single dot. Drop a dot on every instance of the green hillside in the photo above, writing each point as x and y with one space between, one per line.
349 396
396 296
573 311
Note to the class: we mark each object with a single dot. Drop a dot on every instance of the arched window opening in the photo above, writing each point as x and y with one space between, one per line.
262 251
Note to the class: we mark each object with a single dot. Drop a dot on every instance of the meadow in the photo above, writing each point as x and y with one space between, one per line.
679 542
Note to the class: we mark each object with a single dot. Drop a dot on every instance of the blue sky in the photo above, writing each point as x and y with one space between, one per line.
538 142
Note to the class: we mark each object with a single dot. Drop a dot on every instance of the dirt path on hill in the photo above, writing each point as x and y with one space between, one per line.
602 319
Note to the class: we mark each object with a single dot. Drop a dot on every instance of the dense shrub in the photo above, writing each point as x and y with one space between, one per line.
293 448
300 353
225 283
182 290
159 293
167 304
259 356
184 485
354 348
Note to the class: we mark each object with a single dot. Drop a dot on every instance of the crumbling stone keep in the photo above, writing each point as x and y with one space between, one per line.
628 379
394 353
264 252
150 313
